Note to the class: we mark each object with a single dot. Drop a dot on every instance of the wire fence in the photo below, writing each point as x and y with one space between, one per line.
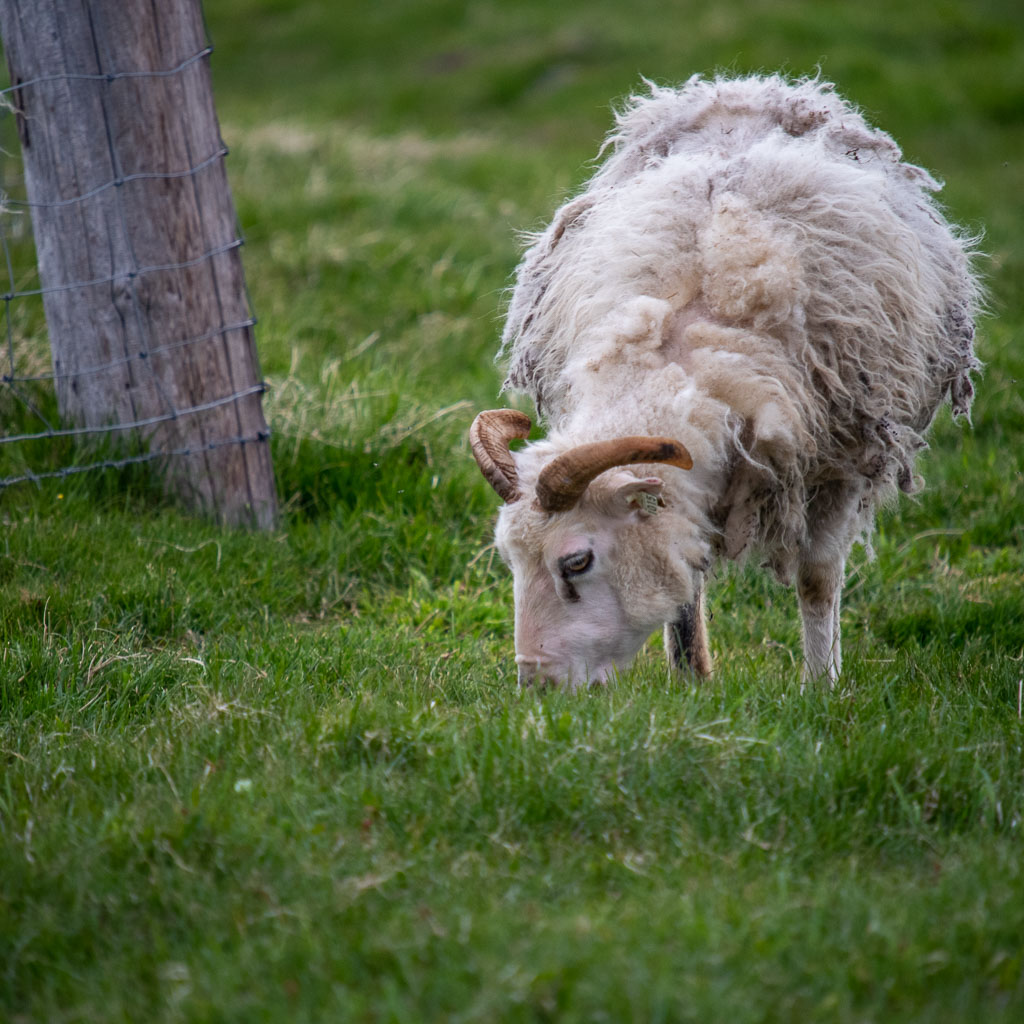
32 427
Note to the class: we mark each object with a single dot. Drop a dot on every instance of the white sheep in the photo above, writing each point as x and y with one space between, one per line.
755 281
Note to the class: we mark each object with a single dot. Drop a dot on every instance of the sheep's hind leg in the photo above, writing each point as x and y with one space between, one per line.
835 519
819 590
686 639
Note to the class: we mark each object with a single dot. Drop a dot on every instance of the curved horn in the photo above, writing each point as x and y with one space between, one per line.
489 437
563 480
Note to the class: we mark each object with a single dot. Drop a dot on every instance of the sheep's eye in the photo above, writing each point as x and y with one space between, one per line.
576 564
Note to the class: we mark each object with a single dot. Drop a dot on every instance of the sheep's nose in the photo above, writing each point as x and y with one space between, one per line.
536 671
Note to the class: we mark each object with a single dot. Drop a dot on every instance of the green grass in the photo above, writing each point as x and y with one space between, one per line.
289 777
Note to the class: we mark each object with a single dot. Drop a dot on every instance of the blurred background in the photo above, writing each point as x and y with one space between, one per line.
392 150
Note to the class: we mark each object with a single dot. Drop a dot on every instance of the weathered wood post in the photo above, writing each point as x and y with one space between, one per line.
137 242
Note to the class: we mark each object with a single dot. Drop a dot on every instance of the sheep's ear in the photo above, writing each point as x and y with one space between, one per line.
642 496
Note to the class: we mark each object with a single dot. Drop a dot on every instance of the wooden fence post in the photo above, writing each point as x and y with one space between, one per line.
136 237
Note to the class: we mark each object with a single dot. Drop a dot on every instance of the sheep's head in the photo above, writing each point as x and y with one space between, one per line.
598 563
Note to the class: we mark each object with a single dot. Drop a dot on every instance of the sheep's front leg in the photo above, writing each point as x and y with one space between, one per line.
819 589
686 639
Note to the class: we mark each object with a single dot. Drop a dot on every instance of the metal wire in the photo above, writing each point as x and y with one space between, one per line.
118 182
17 385
131 460
112 76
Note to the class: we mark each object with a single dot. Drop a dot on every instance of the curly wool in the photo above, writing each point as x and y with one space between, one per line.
754 270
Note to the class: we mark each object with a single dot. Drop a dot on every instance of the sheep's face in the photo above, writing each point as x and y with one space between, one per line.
598 564
591 583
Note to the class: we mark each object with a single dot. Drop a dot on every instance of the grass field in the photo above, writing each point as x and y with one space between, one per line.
289 777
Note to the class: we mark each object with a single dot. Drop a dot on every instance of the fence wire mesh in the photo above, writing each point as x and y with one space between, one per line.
36 441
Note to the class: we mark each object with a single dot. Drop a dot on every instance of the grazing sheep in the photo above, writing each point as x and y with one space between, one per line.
756 294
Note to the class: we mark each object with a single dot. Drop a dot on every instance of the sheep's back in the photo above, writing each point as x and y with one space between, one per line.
778 211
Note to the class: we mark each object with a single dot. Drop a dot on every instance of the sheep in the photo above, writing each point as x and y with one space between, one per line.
755 294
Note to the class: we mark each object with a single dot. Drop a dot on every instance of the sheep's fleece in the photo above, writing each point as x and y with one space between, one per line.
754 272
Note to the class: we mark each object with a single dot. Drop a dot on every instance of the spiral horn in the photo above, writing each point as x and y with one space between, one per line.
489 437
563 480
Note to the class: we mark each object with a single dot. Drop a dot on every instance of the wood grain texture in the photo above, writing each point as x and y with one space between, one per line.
137 238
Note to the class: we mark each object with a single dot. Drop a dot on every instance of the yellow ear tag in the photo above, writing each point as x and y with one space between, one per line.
647 503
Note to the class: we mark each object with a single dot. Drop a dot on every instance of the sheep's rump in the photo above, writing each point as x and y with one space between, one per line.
794 233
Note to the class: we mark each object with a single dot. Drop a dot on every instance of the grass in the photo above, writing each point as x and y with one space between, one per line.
289 777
